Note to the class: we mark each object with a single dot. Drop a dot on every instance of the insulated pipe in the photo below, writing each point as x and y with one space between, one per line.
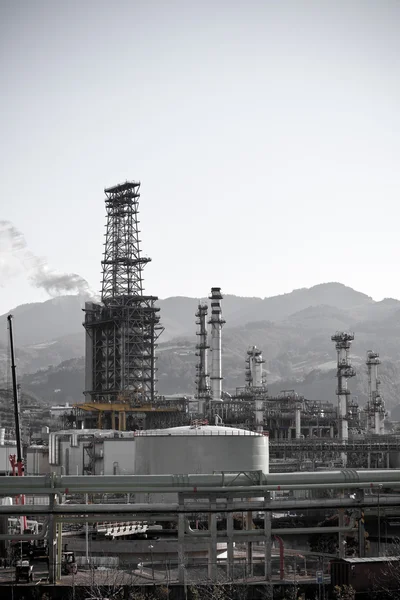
236 490
62 512
226 483
281 531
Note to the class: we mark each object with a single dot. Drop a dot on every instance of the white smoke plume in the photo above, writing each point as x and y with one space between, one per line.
15 258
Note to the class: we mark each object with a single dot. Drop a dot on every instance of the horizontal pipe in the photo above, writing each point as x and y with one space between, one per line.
250 490
282 531
82 510
174 483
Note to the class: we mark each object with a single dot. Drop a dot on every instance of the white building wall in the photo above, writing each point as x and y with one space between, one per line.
119 456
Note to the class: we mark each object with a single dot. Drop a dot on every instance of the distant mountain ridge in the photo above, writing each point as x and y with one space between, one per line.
293 330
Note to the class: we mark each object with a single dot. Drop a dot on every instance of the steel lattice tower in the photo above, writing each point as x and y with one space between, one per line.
123 330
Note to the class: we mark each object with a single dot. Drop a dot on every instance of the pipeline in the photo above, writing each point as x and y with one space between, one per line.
283 531
233 490
64 510
185 483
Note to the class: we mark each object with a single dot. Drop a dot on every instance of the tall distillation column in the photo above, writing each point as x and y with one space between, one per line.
216 323
375 406
343 341
203 393
255 381
254 363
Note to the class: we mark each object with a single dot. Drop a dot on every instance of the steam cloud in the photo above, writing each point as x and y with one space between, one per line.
15 257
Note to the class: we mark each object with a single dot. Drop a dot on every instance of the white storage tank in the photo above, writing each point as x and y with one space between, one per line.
200 449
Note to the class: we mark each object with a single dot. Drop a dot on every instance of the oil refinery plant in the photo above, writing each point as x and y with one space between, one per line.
186 491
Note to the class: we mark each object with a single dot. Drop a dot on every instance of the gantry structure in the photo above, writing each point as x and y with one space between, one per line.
122 331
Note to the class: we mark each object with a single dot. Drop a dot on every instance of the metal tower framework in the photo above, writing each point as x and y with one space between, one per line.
343 341
123 330
203 391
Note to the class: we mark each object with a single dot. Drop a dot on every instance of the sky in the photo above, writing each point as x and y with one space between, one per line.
265 135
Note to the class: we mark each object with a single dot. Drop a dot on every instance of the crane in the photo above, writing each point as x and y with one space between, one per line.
17 462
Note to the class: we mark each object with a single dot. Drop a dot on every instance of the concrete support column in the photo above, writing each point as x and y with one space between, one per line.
268 540
212 548
51 538
113 420
361 534
342 546
230 549
59 551
181 542
249 545
122 420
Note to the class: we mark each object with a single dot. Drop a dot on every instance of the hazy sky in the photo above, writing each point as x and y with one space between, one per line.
265 134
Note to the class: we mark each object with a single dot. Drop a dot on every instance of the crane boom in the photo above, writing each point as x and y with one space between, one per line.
20 463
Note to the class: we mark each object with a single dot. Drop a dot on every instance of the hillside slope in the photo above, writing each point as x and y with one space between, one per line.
293 330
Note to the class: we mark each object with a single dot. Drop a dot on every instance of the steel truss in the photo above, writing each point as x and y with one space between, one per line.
123 329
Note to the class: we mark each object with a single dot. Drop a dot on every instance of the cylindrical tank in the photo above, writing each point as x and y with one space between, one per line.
205 449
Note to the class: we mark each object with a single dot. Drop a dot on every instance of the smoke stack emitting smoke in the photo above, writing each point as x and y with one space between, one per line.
13 243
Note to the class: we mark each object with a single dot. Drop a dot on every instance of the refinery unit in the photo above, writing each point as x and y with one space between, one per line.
229 486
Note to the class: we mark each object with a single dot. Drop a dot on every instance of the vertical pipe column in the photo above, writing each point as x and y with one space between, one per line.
377 422
202 378
342 397
298 421
216 322
59 550
375 406
343 341
268 540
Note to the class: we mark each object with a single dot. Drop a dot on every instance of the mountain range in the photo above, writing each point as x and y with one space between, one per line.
293 330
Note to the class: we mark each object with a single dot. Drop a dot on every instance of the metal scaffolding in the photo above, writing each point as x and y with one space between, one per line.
123 330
